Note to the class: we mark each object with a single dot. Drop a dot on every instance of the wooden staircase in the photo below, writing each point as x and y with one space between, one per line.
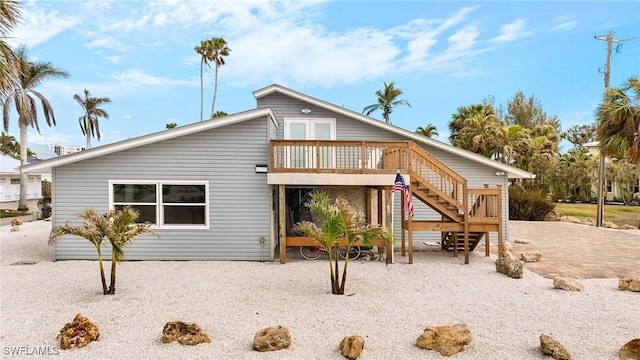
467 214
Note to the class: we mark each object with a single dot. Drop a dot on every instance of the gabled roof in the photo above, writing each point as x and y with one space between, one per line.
9 165
151 138
510 171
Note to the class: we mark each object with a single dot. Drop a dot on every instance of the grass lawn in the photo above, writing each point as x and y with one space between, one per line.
618 214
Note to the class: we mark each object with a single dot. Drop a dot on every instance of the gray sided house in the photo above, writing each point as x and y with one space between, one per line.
232 188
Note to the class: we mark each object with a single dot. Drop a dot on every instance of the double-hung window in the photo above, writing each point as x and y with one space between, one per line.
165 204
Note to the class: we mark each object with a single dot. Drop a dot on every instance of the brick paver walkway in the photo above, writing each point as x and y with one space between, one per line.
578 251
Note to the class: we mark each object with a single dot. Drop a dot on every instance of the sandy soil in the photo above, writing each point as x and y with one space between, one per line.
388 305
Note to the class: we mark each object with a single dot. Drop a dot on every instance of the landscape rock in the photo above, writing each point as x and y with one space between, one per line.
351 346
531 256
507 246
550 346
572 219
629 284
78 333
609 225
15 228
630 350
511 267
628 227
522 241
589 221
184 333
16 221
564 283
447 340
272 338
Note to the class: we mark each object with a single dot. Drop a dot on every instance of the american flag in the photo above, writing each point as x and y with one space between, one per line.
400 185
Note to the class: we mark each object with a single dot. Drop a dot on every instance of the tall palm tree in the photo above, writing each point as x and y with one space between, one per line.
218 51
9 146
30 75
618 121
89 121
429 130
9 17
387 100
203 50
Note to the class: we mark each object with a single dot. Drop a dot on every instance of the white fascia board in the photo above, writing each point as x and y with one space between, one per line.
151 138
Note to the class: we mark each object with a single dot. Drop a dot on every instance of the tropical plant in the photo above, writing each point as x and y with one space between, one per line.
9 146
387 100
202 50
429 130
578 135
171 125
89 121
30 76
117 226
219 50
339 221
9 17
618 121
218 114
464 113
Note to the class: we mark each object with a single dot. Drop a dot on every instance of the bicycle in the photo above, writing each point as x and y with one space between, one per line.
314 252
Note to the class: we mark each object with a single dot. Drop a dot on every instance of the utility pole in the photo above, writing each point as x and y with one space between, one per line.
607 73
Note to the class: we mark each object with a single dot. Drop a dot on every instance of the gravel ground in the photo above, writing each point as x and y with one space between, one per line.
387 305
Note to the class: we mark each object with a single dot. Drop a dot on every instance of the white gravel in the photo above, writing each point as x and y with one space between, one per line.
388 305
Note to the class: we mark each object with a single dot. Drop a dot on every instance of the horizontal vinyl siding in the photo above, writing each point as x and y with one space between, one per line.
350 129
238 197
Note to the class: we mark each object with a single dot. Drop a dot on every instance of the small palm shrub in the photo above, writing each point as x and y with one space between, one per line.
529 205
117 226
339 220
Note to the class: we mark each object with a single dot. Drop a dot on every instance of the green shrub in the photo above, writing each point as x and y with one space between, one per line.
44 205
529 205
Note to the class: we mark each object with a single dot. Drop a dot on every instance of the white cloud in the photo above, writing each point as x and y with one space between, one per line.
107 43
564 26
512 31
39 25
137 77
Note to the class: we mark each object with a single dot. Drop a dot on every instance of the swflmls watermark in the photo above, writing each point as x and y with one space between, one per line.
26 350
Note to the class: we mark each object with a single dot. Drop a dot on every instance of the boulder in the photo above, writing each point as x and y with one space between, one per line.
351 346
511 267
531 256
550 346
630 350
184 333
447 340
78 333
522 241
272 338
628 227
16 221
507 246
609 225
564 283
629 283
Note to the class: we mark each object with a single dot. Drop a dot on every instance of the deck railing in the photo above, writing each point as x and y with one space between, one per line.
327 156
485 204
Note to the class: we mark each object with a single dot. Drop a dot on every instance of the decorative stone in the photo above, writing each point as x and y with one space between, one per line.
630 350
14 228
629 283
184 333
16 222
351 346
507 246
564 283
531 256
78 333
609 225
272 338
628 227
550 346
447 340
522 241
510 267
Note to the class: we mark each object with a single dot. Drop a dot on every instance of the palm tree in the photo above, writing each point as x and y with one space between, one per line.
89 121
218 50
339 220
9 146
203 50
30 75
387 100
218 114
117 226
429 130
9 17
618 121
171 125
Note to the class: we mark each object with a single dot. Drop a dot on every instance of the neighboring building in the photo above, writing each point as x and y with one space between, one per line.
613 190
231 188
62 150
10 181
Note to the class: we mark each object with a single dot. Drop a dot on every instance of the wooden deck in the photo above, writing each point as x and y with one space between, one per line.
465 211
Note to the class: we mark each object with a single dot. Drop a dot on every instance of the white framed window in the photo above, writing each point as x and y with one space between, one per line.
165 204
310 129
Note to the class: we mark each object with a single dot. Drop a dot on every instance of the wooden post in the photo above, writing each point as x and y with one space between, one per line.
402 220
465 207
487 243
409 227
282 208
380 206
388 210
368 214
500 244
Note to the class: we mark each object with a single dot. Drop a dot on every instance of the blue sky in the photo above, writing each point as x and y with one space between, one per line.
443 55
